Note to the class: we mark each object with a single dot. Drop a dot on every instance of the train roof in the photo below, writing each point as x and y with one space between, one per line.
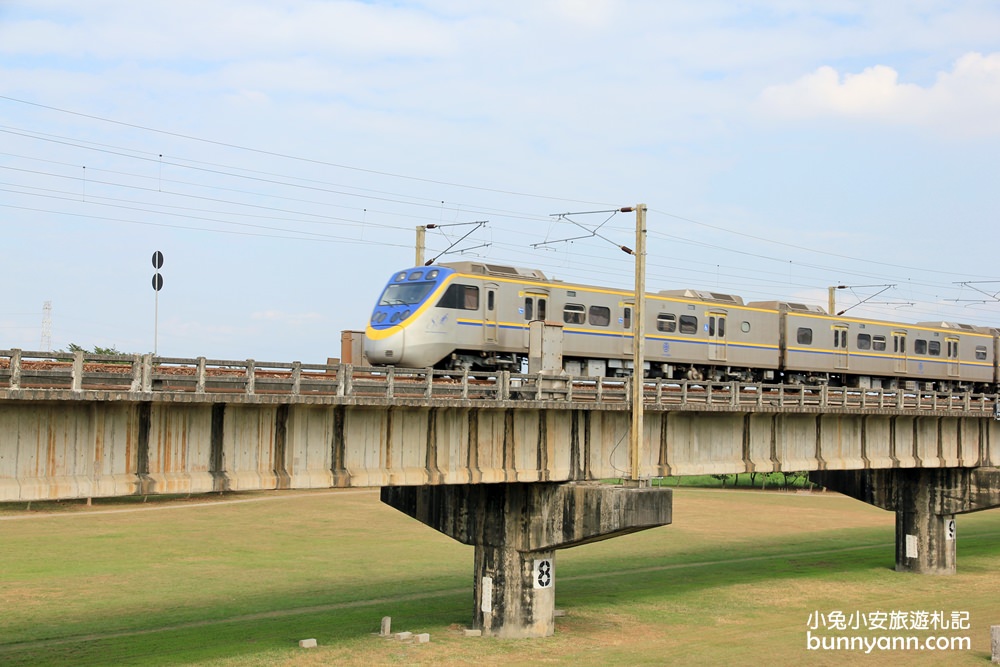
789 305
702 295
955 325
484 269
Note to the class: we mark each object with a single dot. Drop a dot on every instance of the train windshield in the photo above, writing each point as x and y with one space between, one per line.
405 294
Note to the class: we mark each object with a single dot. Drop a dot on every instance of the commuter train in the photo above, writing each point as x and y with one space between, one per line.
469 315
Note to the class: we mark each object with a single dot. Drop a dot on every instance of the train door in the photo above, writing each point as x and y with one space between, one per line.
840 355
627 337
717 335
899 350
491 325
534 308
951 351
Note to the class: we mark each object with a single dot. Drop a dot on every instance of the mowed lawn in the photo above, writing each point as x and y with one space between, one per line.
239 579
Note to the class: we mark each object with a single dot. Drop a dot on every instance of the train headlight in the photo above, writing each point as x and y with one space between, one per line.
394 318
405 315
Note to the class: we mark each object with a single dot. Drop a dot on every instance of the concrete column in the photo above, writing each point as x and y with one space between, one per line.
925 501
516 529
503 575
925 542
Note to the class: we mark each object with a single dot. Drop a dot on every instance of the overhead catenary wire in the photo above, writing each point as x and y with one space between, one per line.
271 186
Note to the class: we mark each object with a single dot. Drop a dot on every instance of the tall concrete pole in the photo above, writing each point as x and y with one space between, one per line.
421 235
832 290
638 342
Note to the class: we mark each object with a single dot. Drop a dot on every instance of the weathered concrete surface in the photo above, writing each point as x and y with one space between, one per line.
925 502
59 450
516 529
110 447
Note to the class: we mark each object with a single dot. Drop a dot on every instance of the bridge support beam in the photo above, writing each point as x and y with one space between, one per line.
516 529
925 501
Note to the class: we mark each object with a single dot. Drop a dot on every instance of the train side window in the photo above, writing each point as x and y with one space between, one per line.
574 313
689 324
666 322
745 327
490 300
981 352
804 336
627 318
541 308
934 348
529 308
600 316
878 343
920 346
864 341
460 297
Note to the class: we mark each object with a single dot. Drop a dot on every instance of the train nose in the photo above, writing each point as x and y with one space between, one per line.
388 350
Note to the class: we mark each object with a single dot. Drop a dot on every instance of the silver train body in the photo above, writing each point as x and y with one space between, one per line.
476 316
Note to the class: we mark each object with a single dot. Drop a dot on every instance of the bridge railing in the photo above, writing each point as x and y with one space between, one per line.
81 371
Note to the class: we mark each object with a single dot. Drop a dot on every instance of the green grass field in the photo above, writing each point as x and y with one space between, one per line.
238 580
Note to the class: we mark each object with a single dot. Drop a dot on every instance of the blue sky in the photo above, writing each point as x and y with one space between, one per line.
280 155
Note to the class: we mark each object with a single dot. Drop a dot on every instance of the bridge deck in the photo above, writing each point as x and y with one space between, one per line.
81 425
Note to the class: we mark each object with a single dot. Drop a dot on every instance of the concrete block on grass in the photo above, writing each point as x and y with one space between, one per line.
423 638
404 636
307 643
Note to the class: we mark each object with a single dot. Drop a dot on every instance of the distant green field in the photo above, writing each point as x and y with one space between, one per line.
239 579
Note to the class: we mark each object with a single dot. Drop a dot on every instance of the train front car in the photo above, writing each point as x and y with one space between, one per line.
405 329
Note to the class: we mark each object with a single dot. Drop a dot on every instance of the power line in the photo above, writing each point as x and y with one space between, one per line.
501 218
286 156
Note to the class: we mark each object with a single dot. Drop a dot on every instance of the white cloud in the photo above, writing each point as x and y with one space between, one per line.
587 13
186 30
965 100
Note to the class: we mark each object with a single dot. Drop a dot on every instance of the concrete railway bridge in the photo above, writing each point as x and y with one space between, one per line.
508 463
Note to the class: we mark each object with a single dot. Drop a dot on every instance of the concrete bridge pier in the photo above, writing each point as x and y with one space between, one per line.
925 501
516 529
